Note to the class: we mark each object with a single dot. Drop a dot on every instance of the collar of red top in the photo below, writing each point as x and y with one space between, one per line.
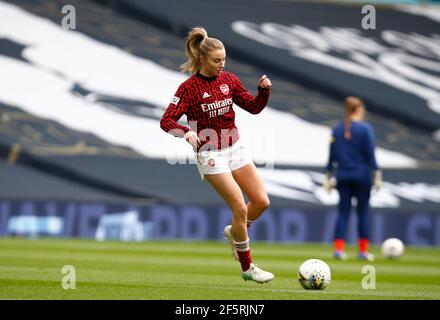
205 78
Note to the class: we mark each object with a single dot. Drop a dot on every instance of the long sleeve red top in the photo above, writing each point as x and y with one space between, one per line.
207 103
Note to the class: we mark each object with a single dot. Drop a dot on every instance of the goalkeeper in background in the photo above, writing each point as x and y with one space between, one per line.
352 153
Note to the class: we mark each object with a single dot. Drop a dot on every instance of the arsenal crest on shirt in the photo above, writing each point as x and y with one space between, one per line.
224 89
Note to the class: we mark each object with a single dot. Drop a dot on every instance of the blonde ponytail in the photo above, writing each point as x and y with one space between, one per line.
351 105
197 44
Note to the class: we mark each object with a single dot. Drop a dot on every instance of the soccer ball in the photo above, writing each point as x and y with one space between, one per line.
392 248
314 274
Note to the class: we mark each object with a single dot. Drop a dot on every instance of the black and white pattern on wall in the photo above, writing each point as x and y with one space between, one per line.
306 186
409 62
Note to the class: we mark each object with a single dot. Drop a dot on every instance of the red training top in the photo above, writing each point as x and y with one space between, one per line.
207 103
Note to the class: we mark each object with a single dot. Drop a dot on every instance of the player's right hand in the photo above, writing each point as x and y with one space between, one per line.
192 138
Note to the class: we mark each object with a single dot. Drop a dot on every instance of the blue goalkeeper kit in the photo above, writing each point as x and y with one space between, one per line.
353 160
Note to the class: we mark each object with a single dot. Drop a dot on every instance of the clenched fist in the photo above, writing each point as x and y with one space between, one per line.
265 82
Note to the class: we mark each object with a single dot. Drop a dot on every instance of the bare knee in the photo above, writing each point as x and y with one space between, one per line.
262 203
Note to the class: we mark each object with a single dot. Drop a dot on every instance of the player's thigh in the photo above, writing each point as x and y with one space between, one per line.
362 192
249 180
345 190
228 189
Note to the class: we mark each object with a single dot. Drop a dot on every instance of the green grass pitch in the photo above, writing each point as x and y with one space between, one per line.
31 269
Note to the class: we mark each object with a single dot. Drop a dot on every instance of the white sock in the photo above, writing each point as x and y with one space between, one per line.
242 246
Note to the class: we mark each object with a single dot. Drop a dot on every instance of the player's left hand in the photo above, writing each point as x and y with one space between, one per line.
265 82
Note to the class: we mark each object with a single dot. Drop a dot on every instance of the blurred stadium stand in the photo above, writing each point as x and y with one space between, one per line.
51 159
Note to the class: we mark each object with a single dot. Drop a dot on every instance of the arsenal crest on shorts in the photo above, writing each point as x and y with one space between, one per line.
211 162
224 89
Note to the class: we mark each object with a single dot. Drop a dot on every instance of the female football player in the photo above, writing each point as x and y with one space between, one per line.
352 151
207 99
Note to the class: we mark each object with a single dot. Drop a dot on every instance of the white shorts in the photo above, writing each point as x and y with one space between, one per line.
221 161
